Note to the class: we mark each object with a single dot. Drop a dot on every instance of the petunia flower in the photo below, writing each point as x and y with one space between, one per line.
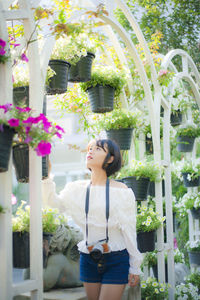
24 57
43 148
2 43
23 109
13 122
2 52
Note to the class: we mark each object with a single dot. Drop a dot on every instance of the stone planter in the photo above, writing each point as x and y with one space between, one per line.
81 71
146 241
139 186
121 136
185 143
101 98
6 138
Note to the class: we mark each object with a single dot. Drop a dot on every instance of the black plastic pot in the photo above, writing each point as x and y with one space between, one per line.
185 143
149 145
194 258
151 189
195 213
176 118
121 136
139 186
21 96
81 71
6 138
191 183
101 98
58 83
155 272
21 163
146 241
21 250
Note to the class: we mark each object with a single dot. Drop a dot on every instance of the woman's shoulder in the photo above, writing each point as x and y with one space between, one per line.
78 184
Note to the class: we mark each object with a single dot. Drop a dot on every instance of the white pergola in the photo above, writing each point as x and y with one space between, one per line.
37 68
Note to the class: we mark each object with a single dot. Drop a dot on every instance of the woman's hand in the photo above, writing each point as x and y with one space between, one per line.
133 280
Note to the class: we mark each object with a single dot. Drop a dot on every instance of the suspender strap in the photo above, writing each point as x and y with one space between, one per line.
87 209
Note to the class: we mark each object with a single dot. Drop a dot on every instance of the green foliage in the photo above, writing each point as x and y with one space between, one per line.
118 118
153 289
191 167
148 220
194 278
141 169
186 291
106 75
191 200
191 131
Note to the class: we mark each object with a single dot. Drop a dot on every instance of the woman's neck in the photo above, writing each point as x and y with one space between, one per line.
98 177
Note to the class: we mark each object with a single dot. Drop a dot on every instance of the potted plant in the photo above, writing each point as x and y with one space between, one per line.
186 135
153 289
193 248
194 278
148 136
186 291
191 200
138 175
20 225
119 125
147 222
106 84
80 54
58 82
190 170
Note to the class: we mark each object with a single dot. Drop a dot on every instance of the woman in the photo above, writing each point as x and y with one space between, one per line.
105 211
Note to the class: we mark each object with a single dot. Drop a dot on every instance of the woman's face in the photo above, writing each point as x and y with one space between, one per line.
95 155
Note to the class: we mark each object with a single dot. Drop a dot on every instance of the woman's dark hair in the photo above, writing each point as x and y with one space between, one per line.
113 150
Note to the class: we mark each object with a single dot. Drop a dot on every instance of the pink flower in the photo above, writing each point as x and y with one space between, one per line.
6 107
14 44
30 120
23 109
2 43
60 128
28 139
59 135
162 72
13 122
13 199
24 57
43 148
27 129
2 52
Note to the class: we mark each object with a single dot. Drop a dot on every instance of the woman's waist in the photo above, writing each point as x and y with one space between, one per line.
113 245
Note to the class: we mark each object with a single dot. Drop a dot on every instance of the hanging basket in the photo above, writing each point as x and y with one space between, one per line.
195 213
58 83
190 183
185 143
194 258
21 250
21 163
21 96
101 98
151 189
139 186
81 71
149 145
176 118
121 136
146 241
6 138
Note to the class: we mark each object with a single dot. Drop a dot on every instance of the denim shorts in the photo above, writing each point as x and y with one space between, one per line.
116 268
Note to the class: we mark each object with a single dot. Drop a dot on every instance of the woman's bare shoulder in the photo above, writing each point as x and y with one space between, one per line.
118 184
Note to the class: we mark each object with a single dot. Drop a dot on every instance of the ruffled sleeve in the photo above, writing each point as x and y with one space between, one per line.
128 226
51 198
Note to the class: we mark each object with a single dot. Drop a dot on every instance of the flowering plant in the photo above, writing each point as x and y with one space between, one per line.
194 278
148 220
191 200
165 77
117 119
193 246
181 99
3 56
37 132
192 167
106 75
51 219
188 130
140 169
186 291
153 289
72 49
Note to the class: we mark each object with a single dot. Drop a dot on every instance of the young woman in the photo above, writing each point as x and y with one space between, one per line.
105 211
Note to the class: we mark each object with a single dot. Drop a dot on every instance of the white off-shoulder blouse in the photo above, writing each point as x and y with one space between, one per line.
122 215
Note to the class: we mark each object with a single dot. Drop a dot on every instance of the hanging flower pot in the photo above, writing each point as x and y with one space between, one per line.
194 257
21 163
149 145
190 183
195 213
151 189
139 186
81 71
185 143
21 96
121 136
6 138
58 82
146 241
176 118
21 250
101 98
